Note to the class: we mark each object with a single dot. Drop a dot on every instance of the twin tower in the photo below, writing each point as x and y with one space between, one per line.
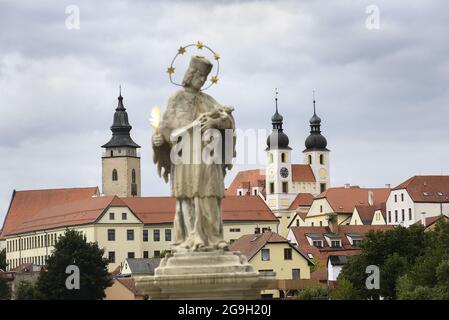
121 174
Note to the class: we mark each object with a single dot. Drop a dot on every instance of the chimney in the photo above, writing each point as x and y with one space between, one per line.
347 185
388 186
371 198
423 219
332 221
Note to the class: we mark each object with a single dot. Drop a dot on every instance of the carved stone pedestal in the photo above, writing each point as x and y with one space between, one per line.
204 275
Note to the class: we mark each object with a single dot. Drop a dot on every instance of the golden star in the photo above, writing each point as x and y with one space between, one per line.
214 79
216 56
181 50
170 70
199 45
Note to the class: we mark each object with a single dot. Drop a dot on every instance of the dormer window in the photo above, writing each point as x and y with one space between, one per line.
425 193
335 243
440 193
318 243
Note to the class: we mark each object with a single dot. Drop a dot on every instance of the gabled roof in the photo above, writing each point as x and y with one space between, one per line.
250 244
161 210
32 208
366 213
302 173
431 220
301 233
301 200
246 180
427 188
129 284
344 200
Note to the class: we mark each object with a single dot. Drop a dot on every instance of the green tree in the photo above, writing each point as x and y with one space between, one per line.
73 249
25 291
344 291
393 251
314 293
3 264
5 289
317 264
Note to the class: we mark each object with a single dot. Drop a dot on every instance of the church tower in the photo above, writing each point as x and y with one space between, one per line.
120 161
316 154
278 173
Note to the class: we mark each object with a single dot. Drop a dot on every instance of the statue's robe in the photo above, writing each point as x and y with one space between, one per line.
198 187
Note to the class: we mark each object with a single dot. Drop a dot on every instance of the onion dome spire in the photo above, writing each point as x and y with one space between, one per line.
277 139
120 128
315 141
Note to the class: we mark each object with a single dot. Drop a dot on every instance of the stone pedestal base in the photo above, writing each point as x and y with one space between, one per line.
204 275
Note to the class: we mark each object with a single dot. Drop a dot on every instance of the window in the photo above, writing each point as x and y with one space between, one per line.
265 254
111 256
124 217
112 153
111 216
111 234
257 230
318 243
268 229
271 187
145 254
403 215
285 187
234 230
395 198
402 197
133 176
167 234
157 253
130 234
335 244
313 224
395 215
296 274
114 175
145 235
356 242
255 191
309 159
240 193
321 208
321 158
322 187
297 222
321 223
131 255
282 157
288 254
389 216
156 235
266 271
410 213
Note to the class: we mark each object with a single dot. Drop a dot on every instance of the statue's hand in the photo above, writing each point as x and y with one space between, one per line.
157 139
209 123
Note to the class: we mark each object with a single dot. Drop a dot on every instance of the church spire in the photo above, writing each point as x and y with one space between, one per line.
277 139
120 127
315 141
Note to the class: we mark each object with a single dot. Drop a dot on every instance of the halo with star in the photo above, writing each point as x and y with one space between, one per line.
200 46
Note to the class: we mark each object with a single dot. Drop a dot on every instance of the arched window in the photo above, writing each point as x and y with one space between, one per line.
321 158
114 175
282 157
133 176
310 159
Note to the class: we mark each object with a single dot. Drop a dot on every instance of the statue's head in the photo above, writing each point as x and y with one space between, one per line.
196 74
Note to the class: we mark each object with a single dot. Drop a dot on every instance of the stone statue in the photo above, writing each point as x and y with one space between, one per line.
197 186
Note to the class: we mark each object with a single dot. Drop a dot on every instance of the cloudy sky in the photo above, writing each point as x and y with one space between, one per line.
381 92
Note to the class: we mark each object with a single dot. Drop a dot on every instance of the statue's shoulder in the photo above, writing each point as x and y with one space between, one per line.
209 98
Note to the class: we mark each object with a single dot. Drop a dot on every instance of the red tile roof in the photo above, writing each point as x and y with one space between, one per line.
300 234
302 173
129 284
301 200
250 244
47 209
436 188
431 220
154 210
344 200
246 180
29 208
